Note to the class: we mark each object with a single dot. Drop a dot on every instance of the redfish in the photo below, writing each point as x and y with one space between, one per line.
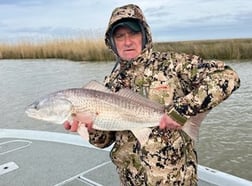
120 111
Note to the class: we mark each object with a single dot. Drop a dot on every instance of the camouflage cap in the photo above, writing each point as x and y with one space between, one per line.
130 23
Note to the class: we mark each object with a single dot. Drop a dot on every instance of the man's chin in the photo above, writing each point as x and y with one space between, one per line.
129 57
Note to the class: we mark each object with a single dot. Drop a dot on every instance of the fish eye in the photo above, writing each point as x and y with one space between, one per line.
36 106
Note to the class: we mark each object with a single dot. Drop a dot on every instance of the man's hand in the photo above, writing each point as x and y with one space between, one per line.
79 119
71 126
167 122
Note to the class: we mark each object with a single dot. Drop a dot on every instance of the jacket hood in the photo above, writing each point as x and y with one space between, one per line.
126 12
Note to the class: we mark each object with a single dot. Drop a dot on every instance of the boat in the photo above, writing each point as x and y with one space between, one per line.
41 158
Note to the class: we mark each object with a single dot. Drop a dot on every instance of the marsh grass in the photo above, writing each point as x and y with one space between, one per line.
227 49
71 49
95 50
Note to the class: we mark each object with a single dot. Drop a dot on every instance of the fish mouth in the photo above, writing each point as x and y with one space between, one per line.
29 111
32 113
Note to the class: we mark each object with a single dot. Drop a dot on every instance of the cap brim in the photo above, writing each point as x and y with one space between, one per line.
134 26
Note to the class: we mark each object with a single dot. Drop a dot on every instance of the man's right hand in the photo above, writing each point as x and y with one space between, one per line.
73 127
167 122
85 119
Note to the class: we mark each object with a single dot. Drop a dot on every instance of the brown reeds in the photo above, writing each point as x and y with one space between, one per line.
71 49
226 49
95 50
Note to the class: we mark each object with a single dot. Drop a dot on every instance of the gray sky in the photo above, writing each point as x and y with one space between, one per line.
170 20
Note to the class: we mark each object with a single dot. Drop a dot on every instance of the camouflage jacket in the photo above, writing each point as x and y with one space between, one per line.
185 84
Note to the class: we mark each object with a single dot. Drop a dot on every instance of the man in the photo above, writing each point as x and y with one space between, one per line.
186 84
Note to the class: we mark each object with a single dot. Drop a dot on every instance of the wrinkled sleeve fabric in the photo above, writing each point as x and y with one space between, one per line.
101 139
206 84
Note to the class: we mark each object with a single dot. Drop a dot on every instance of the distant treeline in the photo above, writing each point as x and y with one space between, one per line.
95 49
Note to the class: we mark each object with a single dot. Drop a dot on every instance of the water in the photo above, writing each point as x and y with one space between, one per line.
225 141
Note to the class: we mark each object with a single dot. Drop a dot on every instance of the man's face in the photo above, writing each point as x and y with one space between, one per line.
128 43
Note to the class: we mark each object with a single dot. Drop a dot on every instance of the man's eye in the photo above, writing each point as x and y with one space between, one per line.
132 33
118 36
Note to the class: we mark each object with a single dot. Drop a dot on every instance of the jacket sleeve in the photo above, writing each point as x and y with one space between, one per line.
101 139
205 84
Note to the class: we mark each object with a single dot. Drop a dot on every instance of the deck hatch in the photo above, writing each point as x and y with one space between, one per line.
8 167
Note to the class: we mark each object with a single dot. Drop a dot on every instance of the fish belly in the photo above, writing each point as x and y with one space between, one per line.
119 122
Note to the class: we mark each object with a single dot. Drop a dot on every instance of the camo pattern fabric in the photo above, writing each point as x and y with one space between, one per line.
187 83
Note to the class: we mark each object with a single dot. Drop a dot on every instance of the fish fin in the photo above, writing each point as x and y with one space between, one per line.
95 85
142 135
191 127
125 92
83 132
129 94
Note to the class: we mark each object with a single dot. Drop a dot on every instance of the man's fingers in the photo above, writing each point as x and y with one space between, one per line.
89 126
67 125
162 124
79 118
74 126
167 122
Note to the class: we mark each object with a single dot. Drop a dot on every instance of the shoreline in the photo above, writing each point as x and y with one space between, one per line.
82 49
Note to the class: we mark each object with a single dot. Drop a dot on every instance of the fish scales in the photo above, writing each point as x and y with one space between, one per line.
114 111
124 110
96 100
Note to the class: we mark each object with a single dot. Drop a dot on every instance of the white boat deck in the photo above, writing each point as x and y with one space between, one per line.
36 158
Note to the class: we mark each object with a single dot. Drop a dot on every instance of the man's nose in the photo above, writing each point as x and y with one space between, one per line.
127 39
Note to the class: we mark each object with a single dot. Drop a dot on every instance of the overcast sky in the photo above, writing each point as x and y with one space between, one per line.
170 20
